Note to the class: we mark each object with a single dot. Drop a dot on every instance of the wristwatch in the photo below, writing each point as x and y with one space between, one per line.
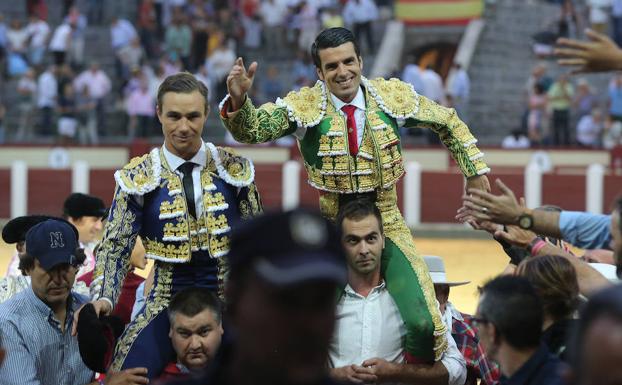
525 221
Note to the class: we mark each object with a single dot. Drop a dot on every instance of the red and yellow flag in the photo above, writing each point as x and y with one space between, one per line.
430 12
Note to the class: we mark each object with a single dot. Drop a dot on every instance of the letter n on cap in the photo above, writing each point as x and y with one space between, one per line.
56 240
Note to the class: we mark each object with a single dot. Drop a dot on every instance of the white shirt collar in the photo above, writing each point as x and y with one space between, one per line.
348 289
358 101
175 161
449 307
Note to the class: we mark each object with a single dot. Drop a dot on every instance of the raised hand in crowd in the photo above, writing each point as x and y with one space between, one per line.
133 376
598 54
239 81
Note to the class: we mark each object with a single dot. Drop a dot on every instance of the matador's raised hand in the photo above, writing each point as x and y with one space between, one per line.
239 82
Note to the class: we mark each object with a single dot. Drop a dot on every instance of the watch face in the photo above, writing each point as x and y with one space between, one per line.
525 221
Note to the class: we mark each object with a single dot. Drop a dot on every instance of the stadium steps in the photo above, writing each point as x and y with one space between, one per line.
502 63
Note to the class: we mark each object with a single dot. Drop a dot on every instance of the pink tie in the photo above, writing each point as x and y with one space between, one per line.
351 122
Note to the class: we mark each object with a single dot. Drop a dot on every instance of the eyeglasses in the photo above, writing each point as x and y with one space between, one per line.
480 321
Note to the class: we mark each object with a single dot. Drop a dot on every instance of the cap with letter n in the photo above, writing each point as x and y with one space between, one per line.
52 242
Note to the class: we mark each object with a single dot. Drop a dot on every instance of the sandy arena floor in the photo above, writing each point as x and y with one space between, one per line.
465 259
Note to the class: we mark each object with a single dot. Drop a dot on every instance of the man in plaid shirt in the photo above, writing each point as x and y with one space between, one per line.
462 329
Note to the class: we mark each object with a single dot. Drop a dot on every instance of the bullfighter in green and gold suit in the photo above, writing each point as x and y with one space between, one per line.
344 159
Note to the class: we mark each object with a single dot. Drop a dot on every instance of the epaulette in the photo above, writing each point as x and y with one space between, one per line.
141 175
232 168
306 106
396 98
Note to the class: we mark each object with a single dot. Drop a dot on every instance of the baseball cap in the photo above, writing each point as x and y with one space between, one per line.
52 243
288 248
82 205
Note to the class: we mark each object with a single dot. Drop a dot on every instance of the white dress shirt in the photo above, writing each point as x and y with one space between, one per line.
372 326
359 113
200 160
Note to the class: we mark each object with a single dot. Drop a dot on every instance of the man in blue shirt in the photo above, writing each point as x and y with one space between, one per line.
35 324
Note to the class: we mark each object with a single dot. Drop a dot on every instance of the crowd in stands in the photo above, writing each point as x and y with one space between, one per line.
66 94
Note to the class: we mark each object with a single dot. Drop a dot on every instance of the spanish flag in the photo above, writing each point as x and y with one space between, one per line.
438 12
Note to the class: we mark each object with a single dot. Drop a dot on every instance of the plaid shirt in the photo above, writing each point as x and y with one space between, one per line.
465 334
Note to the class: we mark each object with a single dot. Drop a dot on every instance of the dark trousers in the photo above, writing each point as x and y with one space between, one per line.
561 127
46 126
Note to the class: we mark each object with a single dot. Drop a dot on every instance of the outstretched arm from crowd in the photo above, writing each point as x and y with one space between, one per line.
598 54
590 280
505 209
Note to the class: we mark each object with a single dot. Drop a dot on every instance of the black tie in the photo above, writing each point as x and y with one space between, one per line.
186 169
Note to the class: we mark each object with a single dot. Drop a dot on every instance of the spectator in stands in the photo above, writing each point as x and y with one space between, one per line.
538 76
218 65
369 341
38 32
584 100
461 327
97 85
47 91
131 56
273 14
555 282
27 99
251 23
141 110
307 23
17 37
509 320
459 86
122 32
612 135
178 38
590 129
79 23
67 111
516 140
40 317
596 347
271 87
615 98
200 14
60 42
360 15
537 118
331 17
560 97
412 74
433 85
147 24
303 70
196 330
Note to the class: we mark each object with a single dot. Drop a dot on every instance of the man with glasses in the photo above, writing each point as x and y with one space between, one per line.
509 320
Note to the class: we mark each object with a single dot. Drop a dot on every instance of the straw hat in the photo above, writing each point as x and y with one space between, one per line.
436 266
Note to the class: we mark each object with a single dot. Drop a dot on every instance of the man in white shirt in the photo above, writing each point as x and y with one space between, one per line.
47 90
97 86
369 333
38 31
59 44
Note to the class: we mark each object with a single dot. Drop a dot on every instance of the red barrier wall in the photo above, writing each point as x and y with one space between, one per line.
47 190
